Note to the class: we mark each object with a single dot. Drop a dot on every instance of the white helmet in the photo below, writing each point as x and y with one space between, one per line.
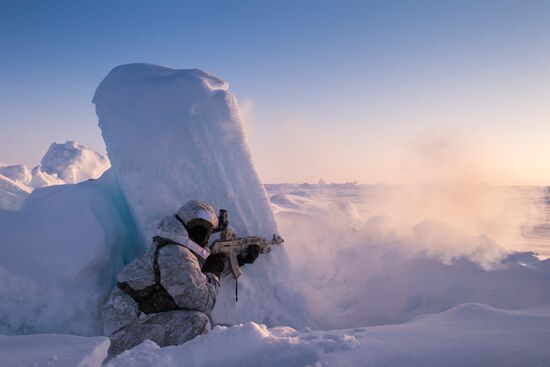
197 210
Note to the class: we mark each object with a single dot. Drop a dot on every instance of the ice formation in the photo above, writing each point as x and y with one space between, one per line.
12 194
73 163
40 178
59 255
176 135
62 163
20 174
62 249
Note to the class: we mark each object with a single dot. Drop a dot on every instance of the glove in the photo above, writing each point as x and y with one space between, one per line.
214 264
250 256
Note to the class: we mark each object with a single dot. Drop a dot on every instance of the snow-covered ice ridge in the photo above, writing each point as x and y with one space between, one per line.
182 141
66 163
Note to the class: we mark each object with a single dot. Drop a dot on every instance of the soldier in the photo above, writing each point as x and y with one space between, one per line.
165 295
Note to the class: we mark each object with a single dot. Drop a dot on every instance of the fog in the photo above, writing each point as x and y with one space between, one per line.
446 175
379 254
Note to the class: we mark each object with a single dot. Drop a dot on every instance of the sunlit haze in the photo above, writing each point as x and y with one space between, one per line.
367 91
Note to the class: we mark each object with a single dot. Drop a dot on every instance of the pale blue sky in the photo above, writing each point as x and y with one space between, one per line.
345 90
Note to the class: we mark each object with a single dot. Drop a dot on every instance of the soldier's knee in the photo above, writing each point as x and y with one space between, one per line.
185 325
200 321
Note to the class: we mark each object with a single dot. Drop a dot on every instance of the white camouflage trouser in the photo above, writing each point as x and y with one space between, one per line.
164 328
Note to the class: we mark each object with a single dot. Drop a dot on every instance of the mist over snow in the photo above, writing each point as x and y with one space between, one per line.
368 275
357 265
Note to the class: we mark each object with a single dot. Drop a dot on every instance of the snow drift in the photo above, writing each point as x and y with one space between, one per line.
467 335
59 255
452 338
52 351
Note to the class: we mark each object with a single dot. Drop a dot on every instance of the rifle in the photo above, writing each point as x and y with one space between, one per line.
232 246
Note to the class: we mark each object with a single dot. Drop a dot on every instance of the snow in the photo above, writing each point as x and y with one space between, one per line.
52 351
467 335
184 141
59 256
12 194
40 178
28 179
20 174
73 163
394 287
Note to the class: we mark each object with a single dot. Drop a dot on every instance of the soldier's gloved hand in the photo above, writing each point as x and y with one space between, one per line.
214 264
250 256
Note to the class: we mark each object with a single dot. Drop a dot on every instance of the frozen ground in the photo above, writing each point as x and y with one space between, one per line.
467 335
368 275
49 350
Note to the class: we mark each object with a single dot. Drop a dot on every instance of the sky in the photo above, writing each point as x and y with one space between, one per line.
368 91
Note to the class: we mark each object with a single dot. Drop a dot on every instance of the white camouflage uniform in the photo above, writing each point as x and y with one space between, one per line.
162 295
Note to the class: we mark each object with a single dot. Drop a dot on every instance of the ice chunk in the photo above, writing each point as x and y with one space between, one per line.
12 194
40 178
18 173
52 351
63 163
176 135
28 180
73 163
